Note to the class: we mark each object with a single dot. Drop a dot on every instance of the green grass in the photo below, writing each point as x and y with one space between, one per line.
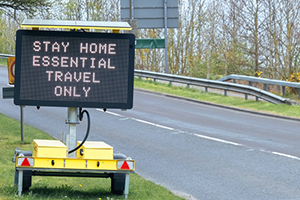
278 109
3 61
61 187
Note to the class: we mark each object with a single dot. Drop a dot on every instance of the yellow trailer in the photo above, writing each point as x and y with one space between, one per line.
49 52
95 159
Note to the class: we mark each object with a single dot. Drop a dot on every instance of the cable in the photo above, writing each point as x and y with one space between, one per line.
87 131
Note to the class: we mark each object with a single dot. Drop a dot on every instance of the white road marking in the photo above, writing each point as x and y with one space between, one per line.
286 155
201 136
139 120
153 124
218 140
111 113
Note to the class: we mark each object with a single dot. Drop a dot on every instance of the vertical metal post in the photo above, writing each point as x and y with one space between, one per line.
20 182
266 87
131 10
71 137
166 35
283 91
22 123
133 22
126 189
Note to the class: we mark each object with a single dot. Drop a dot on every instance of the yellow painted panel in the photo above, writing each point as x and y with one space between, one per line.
49 148
115 30
95 150
48 163
71 163
75 164
73 24
103 165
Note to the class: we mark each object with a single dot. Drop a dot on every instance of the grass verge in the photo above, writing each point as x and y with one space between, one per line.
61 187
3 61
278 109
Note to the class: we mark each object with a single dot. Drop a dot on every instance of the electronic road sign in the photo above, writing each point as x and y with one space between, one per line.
74 69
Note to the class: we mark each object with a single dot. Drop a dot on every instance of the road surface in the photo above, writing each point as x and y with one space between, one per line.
195 150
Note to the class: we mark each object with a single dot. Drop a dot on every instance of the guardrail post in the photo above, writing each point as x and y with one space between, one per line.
266 87
246 96
206 89
283 91
225 92
250 83
256 98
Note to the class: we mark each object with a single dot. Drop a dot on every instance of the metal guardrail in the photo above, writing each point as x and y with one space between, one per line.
6 55
265 81
247 90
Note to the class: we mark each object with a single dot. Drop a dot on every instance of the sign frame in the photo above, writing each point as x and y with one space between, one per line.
151 14
19 100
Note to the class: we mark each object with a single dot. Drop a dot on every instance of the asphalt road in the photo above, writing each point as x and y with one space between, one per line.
195 150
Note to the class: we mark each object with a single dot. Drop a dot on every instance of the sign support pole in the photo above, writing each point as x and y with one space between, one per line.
22 122
166 36
71 136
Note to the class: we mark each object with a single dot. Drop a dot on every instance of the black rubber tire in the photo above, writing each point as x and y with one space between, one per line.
27 174
118 183
118 179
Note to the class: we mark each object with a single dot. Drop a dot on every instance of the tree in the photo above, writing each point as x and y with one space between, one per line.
233 46
290 33
28 7
8 28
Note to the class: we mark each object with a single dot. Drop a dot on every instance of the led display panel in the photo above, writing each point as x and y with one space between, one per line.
74 69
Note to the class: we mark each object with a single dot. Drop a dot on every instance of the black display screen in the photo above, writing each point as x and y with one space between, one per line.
74 69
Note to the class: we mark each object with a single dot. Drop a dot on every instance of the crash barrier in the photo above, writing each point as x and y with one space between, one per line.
245 89
265 81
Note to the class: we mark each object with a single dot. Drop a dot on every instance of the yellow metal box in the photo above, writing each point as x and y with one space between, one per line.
95 150
49 149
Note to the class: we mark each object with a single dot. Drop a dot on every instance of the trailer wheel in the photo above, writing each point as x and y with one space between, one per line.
27 174
118 179
118 183
27 179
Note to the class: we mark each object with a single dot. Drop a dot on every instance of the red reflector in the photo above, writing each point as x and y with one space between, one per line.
125 165
25 163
